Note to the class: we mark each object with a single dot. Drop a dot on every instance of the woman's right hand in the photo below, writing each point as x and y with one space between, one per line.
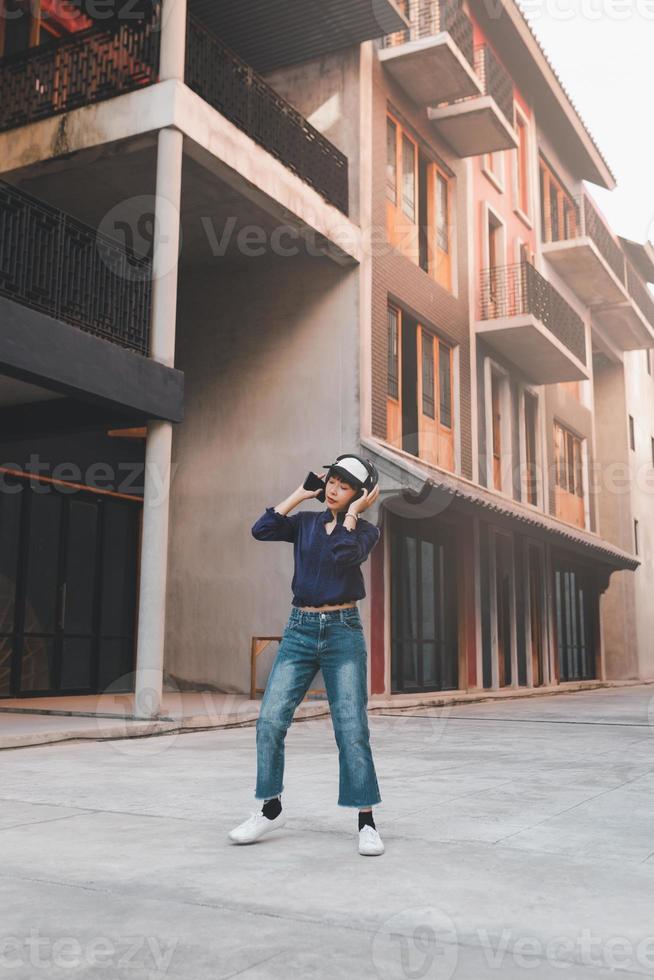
303 494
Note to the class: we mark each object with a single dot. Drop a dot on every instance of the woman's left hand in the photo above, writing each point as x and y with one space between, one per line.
367 500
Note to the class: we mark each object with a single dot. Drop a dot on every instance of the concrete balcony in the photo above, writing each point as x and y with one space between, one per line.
433 59
484 122
524 318
100 63
590 260
629 323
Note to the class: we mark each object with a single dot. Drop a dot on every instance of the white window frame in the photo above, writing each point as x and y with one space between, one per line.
487 210
528 217
498 180
522 433
506 458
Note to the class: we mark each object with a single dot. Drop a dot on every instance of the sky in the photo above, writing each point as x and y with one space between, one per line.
603 52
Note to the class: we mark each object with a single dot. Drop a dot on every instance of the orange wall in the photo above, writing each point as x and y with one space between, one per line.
502 202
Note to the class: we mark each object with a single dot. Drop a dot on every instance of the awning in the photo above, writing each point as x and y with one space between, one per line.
430 496
271 33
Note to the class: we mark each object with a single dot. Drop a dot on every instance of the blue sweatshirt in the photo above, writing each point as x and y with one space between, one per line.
327 566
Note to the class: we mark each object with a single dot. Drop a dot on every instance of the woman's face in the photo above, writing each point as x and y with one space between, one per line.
338 493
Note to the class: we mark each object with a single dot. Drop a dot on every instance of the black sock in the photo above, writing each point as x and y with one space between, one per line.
272 808
365 816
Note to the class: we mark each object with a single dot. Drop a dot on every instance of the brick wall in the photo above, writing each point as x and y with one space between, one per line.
396 277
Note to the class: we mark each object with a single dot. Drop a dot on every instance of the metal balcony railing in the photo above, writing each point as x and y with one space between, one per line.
232 87
92 65
640 295
54 263
495 80
430 17
511 290
581 219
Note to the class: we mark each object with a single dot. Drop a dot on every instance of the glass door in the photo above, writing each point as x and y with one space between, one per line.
68 579
424 625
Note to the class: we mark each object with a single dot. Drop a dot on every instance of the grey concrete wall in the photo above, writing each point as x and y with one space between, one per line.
269 348
326 91
639 396
618 602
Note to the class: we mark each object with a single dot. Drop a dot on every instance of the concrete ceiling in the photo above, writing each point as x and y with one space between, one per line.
114 191
13 392
271 33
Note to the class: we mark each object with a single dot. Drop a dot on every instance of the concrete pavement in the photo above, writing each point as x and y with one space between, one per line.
519 843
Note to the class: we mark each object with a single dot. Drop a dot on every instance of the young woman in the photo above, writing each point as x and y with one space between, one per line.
324 632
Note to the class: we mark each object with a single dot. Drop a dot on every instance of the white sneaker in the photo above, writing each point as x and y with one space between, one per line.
255 827
369 840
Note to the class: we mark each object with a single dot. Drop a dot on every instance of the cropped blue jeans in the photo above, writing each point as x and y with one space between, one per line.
333 642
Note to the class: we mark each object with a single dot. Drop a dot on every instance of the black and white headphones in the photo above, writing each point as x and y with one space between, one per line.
361 473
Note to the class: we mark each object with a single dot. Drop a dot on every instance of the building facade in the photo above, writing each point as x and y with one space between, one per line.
233 246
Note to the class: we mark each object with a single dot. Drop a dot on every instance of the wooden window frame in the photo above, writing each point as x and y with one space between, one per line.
402 232
440 259
565 206
570 482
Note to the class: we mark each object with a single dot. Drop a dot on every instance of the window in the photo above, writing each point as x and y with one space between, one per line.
632 433
442 214
428 407
496 430
495 247
445 383
568 461
636 543
440 262
419 403
393 352
569 478
557 208
493 168
522 166
409 178
391 161
648 360
402 190
652 443
531 437
435 423
418 207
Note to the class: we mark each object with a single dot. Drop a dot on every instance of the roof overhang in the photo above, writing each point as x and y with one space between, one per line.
428 496
508 30
271 33
640 256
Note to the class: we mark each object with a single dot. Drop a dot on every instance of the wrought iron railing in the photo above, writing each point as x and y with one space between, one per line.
54 263
582 219
89 66
510 290
430 17
640 295
232 87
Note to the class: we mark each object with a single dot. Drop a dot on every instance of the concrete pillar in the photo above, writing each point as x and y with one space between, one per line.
154 545
173 40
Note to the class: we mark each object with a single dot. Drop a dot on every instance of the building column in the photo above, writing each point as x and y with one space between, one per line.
154 544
